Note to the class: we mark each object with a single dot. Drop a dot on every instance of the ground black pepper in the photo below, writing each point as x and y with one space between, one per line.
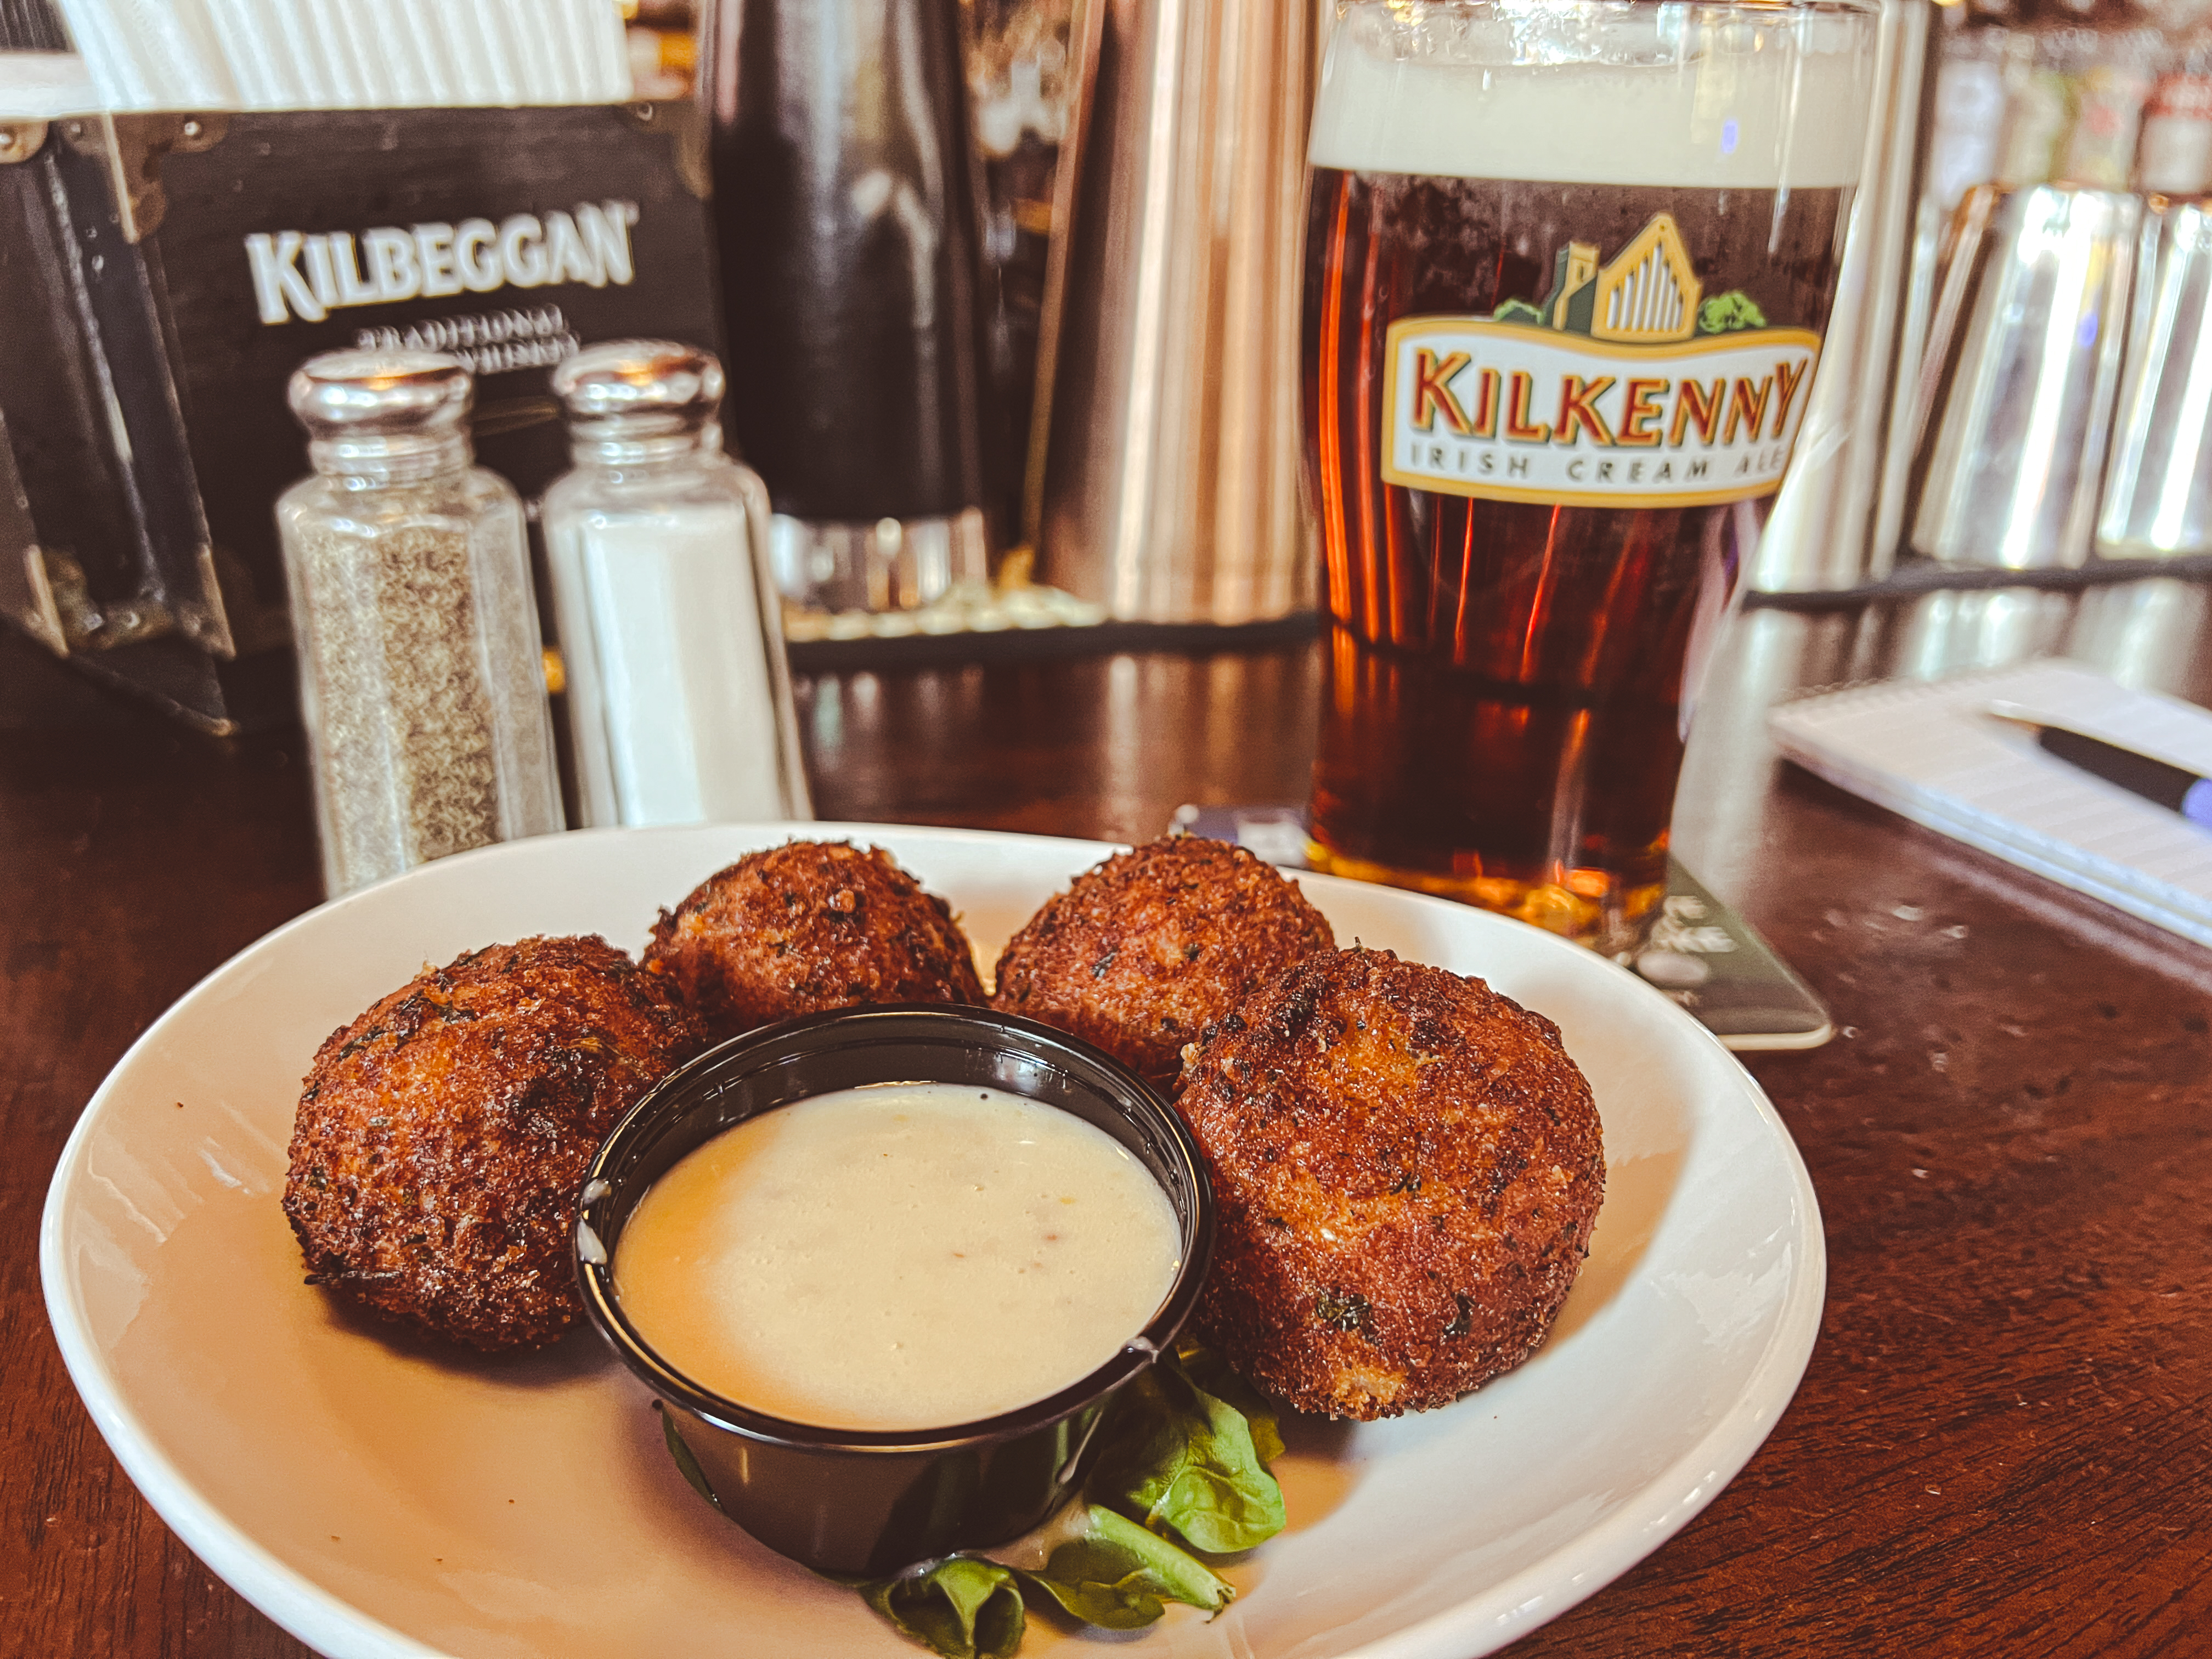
420 669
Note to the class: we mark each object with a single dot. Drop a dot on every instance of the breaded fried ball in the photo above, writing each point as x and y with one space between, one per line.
1144 953
808 927
1407 1167
443 1134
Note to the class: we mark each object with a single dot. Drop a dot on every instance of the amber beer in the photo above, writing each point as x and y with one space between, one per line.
1560 325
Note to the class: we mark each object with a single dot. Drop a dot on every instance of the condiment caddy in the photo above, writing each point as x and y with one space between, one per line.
178 242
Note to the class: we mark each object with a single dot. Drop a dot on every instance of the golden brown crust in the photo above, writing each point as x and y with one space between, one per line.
443 1134
1144 953
1407 1167
808 927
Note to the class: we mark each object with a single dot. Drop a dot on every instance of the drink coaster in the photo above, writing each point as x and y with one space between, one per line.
1701 952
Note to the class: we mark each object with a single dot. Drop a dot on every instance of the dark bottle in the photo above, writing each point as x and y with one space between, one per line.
845 202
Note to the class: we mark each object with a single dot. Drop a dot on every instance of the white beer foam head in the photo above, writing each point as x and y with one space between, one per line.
1508 90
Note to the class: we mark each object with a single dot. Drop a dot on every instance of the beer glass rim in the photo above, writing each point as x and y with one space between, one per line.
1545 36
1869 8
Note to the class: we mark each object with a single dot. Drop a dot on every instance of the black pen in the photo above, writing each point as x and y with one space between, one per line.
2174 787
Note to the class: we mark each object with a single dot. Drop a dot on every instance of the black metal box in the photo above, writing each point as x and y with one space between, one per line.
163 275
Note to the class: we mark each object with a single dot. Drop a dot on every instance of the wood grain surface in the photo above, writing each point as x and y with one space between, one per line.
2003 1446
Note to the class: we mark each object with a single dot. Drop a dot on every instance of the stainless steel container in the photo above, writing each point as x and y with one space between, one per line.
1824 530
2158 483
1163 480
2021 401
892 564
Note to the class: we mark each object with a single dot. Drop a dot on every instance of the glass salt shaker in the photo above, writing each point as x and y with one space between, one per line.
421 677
679 701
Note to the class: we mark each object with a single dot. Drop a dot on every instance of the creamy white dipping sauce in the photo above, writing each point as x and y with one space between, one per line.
904 1256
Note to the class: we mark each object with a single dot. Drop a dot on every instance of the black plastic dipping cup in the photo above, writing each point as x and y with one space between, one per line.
870 1503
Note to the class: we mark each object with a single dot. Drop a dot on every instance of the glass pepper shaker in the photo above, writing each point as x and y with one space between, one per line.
678 698
421 677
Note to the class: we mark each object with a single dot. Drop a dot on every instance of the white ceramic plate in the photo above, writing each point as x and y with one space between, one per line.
378 1497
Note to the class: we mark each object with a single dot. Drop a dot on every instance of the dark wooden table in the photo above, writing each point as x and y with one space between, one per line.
2003 1444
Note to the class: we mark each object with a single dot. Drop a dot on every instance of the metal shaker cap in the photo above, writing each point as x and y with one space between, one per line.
348 391
369 410
633 389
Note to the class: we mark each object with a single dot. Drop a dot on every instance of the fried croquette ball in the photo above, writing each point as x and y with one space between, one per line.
443 1134
1144 953
1407 1167
808 927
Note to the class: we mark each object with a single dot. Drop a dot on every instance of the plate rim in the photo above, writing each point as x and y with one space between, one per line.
1489 1619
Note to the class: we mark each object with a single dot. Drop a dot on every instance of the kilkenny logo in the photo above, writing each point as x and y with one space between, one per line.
1626 385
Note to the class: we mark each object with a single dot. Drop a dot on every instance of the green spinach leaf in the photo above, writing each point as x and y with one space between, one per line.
963 1607
1118 1575
1181 1457
687 1464
1185 1451
1209 1372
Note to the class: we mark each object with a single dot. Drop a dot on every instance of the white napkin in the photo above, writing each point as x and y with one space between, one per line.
1931 752
152 54
337 54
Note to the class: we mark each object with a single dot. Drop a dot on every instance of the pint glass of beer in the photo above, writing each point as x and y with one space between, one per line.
1567 264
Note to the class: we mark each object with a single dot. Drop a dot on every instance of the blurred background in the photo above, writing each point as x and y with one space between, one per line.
1068 259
